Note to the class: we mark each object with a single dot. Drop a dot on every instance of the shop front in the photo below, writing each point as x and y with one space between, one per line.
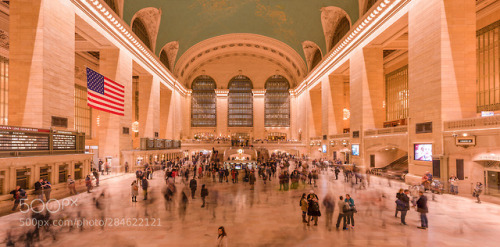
491 164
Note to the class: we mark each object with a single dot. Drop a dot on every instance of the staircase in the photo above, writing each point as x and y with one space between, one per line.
400 164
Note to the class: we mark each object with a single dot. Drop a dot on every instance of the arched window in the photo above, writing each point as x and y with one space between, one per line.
112 5
277 102
240 108
340 31
164 59
140 30
203 107
316 59
369 4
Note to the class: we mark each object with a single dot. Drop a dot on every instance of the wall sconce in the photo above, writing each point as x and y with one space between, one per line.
346 114
98 120
135 126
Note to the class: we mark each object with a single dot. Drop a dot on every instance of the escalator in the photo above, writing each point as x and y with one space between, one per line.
395 170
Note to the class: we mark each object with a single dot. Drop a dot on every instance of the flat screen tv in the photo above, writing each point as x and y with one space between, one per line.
355 149
323 148
423 151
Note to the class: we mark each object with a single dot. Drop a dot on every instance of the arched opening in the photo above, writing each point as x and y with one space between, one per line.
112 4
277 102
140 30
240 102
316 59
340 31
203 102
369 4
164 59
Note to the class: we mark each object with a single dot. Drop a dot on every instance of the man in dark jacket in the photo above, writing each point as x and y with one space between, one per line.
19 196
193 184
38 189
423 210
204 194
405 206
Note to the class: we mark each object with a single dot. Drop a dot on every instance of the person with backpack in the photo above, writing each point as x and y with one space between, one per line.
352 209
398 197
403 205
313 208
343 210
304 204
204 194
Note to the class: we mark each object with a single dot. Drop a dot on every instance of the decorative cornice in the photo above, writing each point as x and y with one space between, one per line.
259 92
117 28
358 33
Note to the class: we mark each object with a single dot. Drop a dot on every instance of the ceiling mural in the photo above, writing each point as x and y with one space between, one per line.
191 21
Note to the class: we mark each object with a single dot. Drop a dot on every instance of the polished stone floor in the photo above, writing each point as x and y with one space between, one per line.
261 217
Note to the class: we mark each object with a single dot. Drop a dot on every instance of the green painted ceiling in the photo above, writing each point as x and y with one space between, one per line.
192 21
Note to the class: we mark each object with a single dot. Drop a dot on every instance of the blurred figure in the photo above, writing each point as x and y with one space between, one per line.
313 208
145 185
329 204
134 190
405 206
398 197
71 185
193 185
183 206
453 185
342 212
19 196
477 191
47 188
88 183
352 209
222 237
204 194
303 206
423 210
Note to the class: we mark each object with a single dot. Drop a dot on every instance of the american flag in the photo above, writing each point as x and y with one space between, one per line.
104 94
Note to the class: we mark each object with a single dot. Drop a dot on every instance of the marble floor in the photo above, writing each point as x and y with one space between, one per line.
261 217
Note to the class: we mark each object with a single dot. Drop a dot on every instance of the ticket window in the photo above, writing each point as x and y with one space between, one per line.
23 178
78 171
45 173
63 173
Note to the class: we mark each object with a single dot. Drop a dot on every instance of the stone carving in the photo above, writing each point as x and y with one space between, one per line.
171 48
4 39
309 48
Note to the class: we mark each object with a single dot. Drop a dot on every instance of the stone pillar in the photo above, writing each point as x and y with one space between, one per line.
42 62
149 102
116 66
441 71
367 95
332 96
222 101
314 123
165 99
258 114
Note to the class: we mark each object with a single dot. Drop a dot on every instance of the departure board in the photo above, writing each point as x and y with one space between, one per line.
19 141
63 142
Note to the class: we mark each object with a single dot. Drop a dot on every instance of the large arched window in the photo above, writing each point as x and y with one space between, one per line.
316 59
164 59
240 108
140 30
203 107
341 30
277 102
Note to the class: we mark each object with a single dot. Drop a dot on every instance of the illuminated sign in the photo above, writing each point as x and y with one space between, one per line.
487 113
465 141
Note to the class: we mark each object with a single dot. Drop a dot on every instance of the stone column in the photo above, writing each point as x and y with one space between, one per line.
332 96
367 94
149 102
117 66
222 104
441 71
42 62
258 113
165 99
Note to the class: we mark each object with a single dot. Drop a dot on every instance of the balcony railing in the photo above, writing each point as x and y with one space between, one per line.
387 131
472 123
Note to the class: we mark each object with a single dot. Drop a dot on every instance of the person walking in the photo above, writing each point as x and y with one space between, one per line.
343 210
47 188
477 191
19 196
88 183
193 185
313 208
352 210
251 180
404 205
222 237
96 176
134 190
423 210
329 204
126 167
303 206
453 185
71 185
204 194
39 189
145 185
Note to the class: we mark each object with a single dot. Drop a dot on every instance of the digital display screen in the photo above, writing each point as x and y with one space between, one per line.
17 141
355 149
423 152
237 167
63 142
